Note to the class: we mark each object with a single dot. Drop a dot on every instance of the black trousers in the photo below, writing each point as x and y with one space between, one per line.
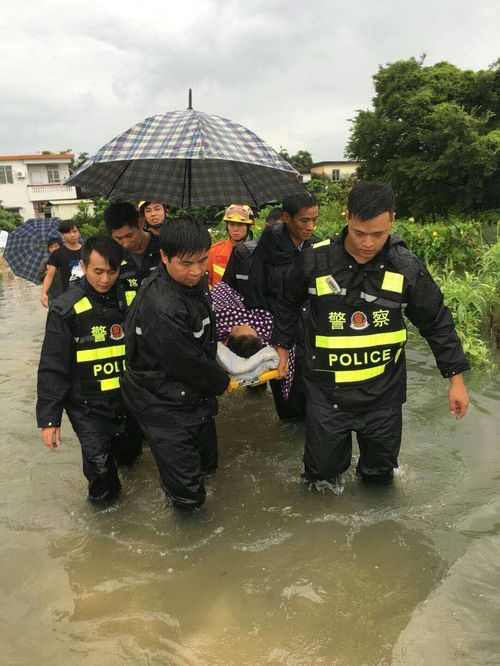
184 455
328 446
107 442
295 406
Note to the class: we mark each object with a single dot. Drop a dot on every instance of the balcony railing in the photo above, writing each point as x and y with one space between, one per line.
49 192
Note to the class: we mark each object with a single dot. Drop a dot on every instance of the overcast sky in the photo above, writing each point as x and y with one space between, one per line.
75 74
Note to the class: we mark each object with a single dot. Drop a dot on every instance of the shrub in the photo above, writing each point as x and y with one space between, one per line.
451 243
9 221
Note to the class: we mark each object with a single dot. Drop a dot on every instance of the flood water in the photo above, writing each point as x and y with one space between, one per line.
268 572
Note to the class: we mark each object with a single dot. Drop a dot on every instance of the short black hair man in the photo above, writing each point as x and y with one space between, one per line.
141 250
257 270
172 376
65 261
82 358
359 284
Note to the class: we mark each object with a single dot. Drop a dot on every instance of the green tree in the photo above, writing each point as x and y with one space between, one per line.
76 164
302 160
9 221
434 133
91 222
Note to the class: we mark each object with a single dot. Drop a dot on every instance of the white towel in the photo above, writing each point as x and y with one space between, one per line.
247 368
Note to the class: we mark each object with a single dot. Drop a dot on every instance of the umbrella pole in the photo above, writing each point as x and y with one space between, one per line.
189 166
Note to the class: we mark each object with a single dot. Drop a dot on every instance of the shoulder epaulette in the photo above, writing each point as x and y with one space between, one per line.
322 243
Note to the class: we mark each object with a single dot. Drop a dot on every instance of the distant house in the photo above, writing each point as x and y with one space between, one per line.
31 184
334 170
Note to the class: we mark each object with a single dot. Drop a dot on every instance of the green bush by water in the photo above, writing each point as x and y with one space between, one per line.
474 300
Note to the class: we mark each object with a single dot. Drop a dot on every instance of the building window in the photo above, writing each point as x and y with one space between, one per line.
6 175
53 174
335 174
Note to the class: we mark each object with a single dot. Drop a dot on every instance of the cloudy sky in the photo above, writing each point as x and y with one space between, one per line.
76 73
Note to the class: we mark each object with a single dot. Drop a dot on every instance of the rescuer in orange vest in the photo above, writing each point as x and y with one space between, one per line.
238 219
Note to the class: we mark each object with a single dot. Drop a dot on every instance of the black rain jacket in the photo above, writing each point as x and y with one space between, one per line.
423 306
171 347
56 386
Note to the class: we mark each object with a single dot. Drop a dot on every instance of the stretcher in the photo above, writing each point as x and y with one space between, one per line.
254 381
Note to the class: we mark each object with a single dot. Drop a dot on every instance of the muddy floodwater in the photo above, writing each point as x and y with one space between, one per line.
268 572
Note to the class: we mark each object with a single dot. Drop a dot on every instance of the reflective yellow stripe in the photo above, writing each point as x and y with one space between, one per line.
82 305
398 354
219 269
129 296
110 384
123 262
361 341
358 375
322 286
393 282
99 354
321 243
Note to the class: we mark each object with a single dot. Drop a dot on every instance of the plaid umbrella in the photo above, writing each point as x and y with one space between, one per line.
188 158
27 246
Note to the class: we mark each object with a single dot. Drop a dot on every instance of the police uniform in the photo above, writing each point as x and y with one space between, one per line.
257 271
133 274
171 382
82 358
355 370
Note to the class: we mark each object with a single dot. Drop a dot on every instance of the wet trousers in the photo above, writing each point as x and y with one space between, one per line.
184 454
328 446
107 442
295 406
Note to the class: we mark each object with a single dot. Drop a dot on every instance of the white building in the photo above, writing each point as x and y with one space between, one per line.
31 184
334 170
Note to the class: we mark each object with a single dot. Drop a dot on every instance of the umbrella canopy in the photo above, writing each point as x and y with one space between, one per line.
27 246
188 158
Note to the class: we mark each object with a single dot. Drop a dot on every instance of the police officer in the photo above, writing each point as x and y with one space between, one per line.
257 271
83 355
359 284
141 249
172 376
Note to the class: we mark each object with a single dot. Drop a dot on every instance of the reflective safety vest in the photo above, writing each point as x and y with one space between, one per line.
128 286
355 341
218 256
100 348
132 277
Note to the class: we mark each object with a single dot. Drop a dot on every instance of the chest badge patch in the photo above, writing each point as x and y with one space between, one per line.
359 321
116 332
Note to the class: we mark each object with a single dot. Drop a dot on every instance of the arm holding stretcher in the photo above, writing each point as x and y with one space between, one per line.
259 368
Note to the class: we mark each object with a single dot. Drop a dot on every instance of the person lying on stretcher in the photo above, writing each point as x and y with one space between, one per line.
245 354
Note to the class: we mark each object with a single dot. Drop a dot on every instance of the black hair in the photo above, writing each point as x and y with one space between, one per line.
276 215
294 202
370 198
104 245
244 345
184 236
53 241
147 203
120 214
67 225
